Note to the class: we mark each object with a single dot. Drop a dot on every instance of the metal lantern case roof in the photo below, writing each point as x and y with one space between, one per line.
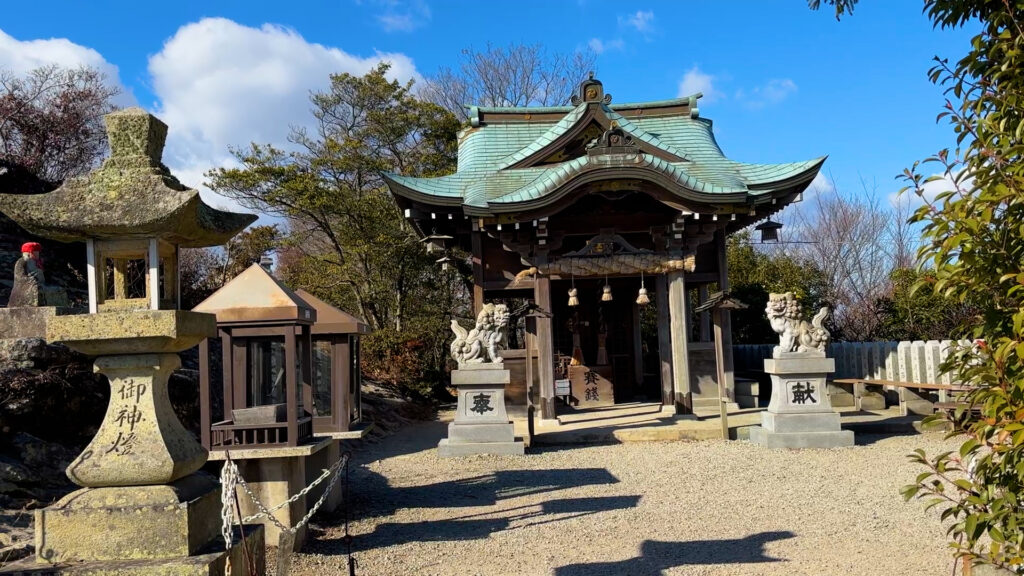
769 231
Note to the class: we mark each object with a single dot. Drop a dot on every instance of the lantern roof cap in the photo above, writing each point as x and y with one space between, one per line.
332 320
255 297
131 195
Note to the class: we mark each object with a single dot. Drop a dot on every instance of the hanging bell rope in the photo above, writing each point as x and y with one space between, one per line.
642 298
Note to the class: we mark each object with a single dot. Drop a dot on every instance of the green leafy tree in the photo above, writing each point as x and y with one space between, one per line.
754 273
909 313
973 253
342 220
347 240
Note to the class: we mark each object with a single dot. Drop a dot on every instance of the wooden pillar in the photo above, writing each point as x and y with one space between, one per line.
291 385
723 396
726 321
664 341
545 349
638 350
205 401
227 363
341 366
705 316
680 361
478 270
306 339
530 343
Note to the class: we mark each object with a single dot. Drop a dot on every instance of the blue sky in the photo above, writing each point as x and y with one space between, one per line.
781 82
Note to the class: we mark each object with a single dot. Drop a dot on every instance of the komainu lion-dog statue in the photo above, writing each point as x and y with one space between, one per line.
485 340
795 333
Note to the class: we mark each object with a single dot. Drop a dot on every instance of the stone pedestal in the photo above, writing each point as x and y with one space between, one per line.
140 440
144 509
800 413
275 474
481 424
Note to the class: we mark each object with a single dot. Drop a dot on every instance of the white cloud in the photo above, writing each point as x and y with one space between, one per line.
22 56
403 15
772 92
222 84
695 81
601 46
938 184
641 20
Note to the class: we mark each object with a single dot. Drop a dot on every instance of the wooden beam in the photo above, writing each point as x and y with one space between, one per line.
290 386
726 321
664 341
341 365
545 349
478 271
680 352
723 396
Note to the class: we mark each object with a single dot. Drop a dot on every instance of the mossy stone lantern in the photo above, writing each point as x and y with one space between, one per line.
141 489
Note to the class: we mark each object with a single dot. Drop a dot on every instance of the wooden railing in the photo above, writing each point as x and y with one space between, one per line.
226 434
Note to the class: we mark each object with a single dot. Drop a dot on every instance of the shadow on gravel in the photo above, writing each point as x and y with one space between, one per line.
655 556
473 527
375 498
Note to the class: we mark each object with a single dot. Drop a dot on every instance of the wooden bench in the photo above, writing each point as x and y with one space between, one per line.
860 384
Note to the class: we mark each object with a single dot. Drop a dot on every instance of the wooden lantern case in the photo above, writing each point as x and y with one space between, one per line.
258 319
335 393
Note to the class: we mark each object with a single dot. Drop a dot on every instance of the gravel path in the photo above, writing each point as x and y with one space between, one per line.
707 508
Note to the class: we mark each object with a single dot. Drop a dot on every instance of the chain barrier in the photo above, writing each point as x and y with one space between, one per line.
230 478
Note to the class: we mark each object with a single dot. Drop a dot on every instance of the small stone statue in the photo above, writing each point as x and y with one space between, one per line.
482 343
30 288
795 333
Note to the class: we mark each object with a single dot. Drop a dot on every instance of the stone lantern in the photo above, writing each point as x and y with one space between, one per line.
143 507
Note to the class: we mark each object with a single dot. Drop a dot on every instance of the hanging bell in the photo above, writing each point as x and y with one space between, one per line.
606 293
642 298
573 300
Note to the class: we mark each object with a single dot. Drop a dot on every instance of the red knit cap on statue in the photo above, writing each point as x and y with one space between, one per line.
31 247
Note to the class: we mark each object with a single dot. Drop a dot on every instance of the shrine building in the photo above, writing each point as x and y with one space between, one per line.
611 220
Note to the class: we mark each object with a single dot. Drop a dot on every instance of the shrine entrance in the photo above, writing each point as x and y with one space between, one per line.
600 344
599 199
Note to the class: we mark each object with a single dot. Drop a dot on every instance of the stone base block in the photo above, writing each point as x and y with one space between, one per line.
840 397
704 405
476 433
800 423
212 560
127 523
28 321
446 449
797 440
872 401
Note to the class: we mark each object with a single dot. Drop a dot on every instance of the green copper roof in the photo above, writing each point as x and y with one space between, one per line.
505 158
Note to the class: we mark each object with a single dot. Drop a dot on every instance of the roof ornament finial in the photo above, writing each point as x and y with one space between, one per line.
591 90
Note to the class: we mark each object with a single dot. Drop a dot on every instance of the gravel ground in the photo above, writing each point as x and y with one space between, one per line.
707 508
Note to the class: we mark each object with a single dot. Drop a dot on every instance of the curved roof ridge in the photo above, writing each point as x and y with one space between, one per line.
559 128
637 132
